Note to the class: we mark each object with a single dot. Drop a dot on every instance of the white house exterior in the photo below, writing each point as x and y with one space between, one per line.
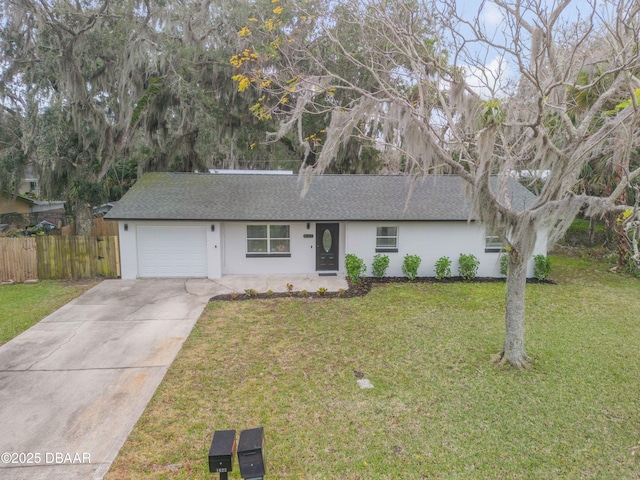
204 225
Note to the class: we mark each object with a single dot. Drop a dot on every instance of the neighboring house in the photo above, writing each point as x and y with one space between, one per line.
45 212
23 211
101 210
207 225
29 182
16 204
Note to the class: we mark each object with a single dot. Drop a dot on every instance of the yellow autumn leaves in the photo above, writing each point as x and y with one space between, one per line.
260 111
624 216
269 24
246 56
244 81
237 61
315 138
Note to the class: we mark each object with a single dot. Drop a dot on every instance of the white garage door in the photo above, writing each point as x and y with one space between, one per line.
172 251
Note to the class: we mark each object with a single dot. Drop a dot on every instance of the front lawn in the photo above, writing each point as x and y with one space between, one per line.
22 306
439 407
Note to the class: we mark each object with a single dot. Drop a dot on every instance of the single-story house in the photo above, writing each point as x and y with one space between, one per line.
210 225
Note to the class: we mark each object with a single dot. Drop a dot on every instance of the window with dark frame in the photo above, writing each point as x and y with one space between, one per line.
268 240
387 239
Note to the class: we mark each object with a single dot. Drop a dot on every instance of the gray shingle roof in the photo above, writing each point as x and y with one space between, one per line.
194 196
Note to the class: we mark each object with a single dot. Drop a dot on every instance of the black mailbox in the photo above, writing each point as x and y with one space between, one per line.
250 459
221 452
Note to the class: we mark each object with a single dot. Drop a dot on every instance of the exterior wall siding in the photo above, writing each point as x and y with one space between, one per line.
16 205
303 250
227 247
430 241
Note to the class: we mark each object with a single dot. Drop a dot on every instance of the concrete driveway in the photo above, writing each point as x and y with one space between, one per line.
73 386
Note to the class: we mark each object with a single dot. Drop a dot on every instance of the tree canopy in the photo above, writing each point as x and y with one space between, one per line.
547 89
89 86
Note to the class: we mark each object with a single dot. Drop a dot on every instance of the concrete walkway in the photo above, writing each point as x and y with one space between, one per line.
73 386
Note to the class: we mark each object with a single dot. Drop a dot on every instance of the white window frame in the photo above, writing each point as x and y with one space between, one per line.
387 248
492 242
268 239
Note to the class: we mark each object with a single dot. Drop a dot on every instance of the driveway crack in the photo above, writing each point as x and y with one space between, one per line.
73 334
186 287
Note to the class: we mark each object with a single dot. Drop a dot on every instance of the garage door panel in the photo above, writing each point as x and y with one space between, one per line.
172 251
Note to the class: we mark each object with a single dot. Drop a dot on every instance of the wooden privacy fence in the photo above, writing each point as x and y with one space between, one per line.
18 260
58 257
101 227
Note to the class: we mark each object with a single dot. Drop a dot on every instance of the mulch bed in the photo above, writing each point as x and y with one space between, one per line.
361 288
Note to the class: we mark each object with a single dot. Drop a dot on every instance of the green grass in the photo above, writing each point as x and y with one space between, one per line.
440 407
578 234
22 306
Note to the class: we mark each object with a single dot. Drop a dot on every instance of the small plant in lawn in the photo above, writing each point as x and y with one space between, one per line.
322 291
355 267
541 267
250 292
269 293
379 265
303 293
504 264
234 295
468 266
631 267
341 292
410 266
289 287
443 268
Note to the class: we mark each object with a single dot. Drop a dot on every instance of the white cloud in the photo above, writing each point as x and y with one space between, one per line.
489 81
491 16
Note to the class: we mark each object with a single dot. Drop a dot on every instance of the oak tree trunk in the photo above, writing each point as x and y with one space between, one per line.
513 352
83 218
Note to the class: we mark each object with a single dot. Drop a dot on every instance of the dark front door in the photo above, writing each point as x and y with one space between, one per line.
327 236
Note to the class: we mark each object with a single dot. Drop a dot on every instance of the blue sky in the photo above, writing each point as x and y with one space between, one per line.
496 69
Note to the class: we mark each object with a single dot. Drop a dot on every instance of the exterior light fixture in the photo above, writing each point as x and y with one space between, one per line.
221 452
213 228
126 227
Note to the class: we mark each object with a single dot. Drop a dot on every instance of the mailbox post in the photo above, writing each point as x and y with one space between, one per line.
221 452
250 457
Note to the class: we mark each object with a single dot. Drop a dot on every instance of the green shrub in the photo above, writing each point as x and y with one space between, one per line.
631 267
380 265
468 266
579 234
504 264
355 267
541 267
410 266
443 268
